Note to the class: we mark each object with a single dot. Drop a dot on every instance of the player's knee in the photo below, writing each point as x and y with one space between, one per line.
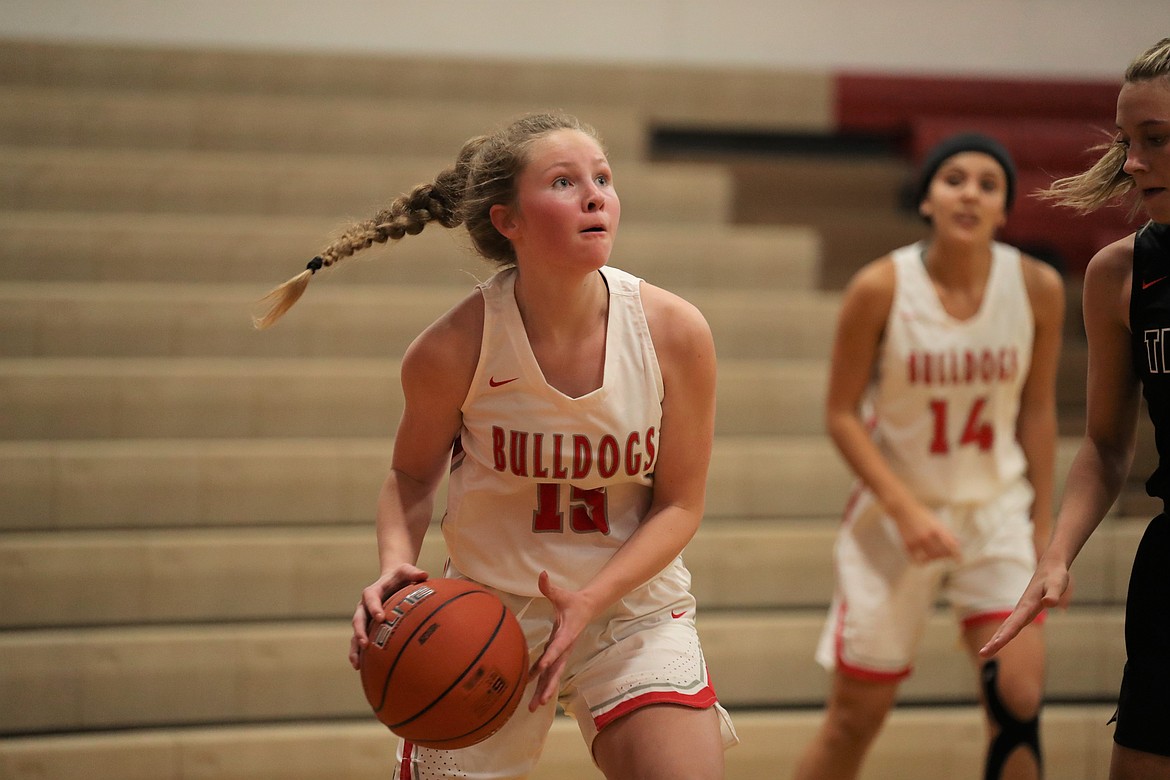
1020 695
1016 728
852 727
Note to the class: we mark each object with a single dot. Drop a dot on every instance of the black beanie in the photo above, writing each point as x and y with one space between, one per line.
964 142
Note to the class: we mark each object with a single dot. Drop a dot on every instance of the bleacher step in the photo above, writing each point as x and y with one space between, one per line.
266 250
99 398
1076 741
202 575
142 483
310 185
117 118
143 319
686 96
78 679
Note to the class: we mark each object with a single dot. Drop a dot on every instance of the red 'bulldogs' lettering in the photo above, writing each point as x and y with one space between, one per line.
963 367
572 456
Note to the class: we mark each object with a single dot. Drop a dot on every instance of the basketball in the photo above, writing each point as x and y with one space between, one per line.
447 666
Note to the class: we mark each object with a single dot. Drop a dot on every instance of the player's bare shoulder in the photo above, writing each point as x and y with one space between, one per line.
1108 281
1114 260
673 320
446 353
1045 288
683 342
1039 275
869 294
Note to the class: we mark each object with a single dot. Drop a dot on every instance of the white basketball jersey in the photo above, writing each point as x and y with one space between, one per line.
947 393
539 480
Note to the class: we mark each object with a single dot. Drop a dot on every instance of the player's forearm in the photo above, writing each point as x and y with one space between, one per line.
1036 431
854 443
405 507
659 539
1094 482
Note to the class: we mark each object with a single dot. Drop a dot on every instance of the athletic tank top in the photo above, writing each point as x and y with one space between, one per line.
1149 326
539 480
946 394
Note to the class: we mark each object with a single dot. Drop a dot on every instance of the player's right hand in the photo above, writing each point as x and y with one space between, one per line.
925 536
369 607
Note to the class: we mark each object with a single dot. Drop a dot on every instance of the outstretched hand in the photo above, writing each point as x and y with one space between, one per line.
1050 586
369 607
573 613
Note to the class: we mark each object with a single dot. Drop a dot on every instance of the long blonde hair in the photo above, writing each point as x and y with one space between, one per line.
484 175
1105 179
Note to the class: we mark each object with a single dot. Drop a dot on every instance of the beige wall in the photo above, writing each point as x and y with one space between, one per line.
1076 38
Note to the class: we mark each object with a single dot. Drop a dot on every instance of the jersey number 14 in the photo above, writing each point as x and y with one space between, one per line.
976 431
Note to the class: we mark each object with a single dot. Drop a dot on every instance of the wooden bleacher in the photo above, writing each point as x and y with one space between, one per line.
1048 126
186 504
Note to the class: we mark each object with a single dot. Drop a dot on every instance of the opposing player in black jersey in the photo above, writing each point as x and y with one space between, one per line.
1127 320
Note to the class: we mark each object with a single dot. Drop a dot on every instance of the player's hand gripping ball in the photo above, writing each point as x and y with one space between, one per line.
447 666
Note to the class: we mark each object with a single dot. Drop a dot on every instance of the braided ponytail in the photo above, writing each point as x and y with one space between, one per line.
484 175
406 215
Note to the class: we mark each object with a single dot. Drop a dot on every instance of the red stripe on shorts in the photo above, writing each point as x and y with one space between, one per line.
859 672
700 700
404 769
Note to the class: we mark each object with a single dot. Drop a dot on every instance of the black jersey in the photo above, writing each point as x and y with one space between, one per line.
1149 324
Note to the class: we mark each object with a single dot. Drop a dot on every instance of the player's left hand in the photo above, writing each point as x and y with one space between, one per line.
1051 586
573 613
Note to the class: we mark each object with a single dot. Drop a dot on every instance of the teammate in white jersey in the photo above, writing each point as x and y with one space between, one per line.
573 405
942 400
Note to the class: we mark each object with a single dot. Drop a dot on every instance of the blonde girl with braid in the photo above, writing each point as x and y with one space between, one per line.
571 406
1127 320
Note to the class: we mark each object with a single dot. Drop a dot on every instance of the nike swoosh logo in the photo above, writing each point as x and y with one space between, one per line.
1152 283
492 381
677 615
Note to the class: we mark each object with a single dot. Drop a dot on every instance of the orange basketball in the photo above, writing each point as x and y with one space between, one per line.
447 666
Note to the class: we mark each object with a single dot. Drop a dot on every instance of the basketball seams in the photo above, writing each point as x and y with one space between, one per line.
508 704
462 675
423 623
468 678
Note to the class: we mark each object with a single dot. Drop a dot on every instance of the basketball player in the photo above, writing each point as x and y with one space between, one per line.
942 400
573 406
1127 319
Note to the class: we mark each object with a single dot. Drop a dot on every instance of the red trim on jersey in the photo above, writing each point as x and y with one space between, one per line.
404 769
854 495
853 670
997 617
701 700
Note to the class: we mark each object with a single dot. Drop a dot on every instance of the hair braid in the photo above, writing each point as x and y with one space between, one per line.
484 175
406 215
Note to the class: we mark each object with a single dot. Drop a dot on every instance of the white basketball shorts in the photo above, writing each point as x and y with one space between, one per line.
883 600
645 650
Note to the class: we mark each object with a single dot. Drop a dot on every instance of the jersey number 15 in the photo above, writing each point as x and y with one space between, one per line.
587 510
